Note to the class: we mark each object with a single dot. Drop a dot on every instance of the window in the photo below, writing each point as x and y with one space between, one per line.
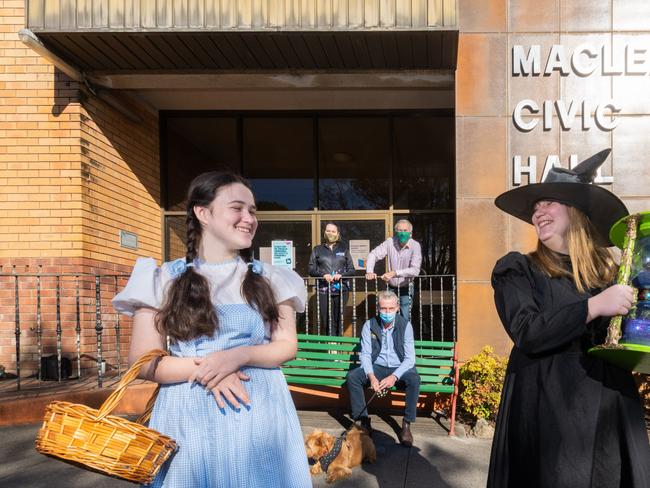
279 161
354 163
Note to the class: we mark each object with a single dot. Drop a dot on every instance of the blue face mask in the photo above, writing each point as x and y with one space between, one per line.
386 317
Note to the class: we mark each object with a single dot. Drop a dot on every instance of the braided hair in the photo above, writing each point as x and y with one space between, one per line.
187 311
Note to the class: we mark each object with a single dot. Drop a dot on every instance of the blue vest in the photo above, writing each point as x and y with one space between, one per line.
398 336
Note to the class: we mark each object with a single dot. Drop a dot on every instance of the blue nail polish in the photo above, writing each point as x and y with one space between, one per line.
222 410
248 407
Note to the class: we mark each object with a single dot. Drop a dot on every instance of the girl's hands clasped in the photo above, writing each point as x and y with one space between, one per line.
214 367
232 390
615 300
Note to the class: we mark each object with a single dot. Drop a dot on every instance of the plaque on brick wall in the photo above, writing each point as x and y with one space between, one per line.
128 239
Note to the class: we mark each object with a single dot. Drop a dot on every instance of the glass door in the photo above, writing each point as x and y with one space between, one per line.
286 226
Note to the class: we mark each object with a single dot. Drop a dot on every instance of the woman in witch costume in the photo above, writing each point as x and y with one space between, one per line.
567 419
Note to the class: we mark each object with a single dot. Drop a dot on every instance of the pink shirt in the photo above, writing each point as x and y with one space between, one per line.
405 261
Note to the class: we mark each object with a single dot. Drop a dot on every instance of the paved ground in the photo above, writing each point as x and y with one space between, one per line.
435 461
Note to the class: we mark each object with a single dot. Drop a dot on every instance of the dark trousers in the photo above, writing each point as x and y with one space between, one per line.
337 323
357 381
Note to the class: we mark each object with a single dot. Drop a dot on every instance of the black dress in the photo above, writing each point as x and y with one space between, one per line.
567 419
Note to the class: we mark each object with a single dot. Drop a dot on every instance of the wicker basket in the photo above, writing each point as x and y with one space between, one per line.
95 440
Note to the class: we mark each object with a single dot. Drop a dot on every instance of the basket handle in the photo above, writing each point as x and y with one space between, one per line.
111 402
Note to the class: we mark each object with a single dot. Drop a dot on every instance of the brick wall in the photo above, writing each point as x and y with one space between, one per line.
73 172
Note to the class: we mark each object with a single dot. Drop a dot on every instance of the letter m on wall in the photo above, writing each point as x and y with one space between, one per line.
525 64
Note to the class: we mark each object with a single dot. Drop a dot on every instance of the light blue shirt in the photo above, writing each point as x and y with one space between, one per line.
387 356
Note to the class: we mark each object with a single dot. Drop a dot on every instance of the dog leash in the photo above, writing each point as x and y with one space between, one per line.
328 458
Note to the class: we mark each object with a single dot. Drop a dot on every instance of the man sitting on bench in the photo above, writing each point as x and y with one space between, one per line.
387 357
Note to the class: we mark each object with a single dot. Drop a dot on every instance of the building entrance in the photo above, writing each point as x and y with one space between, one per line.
361 169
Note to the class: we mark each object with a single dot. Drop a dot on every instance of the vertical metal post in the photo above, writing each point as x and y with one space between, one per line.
366 283
98 330
376 296
431 307
307 306
59 331
17 329
329 309
420 304
453 308
354 306
39 328
117 339
341 306
78 327
442 311
317 307
411 291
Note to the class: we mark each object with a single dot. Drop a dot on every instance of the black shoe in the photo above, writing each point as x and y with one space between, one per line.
364 422
405 436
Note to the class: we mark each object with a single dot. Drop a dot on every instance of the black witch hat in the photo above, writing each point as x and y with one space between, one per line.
570 187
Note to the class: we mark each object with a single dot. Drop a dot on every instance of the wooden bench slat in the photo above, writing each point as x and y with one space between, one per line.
438 353
321 364
347 366
310 380
324 346
349 348
324 355
354 357
314 380
434 362
435 344
323 338
325 373
438 388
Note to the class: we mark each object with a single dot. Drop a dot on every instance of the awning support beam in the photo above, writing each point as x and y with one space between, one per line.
106 95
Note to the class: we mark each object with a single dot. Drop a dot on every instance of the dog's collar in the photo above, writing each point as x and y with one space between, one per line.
327 459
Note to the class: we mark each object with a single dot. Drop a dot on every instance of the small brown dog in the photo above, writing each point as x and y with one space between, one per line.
356 448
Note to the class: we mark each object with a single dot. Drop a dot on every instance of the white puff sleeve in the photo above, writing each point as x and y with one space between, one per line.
288 285
144 288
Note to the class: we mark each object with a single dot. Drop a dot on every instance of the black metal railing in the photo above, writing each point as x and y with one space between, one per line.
432 308
69 318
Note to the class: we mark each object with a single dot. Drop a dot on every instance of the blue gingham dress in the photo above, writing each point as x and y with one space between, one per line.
257 447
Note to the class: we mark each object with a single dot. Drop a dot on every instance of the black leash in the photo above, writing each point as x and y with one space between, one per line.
327 459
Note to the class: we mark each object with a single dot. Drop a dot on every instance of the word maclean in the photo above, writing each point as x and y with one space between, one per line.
583 61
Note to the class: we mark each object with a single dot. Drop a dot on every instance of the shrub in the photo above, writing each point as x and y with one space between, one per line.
481 381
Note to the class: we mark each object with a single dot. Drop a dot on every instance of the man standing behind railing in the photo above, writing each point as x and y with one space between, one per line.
404 260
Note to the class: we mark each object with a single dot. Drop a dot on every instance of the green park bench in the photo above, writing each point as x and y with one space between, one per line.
326 360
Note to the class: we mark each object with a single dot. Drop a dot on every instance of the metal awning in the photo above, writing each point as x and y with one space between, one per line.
255 51
244 15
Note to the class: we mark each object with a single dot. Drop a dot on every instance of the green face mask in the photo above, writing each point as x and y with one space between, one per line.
403 237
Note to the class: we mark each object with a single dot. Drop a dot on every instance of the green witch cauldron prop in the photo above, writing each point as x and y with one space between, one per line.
628 338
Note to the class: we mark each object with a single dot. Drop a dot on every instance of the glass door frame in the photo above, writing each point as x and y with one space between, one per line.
316 217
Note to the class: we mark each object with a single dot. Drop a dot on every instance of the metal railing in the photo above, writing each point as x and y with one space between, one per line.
432 309
69 317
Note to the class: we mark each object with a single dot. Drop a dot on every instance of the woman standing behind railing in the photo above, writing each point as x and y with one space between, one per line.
330 261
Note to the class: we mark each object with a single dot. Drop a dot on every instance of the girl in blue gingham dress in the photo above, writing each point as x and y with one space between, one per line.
223 397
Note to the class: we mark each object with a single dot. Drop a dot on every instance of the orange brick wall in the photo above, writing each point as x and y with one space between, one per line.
73 172
120 169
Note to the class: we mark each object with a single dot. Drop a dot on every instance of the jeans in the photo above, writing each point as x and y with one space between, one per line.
405 297
337 324
357 381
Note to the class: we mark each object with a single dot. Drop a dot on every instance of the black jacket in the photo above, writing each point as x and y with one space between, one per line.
324 260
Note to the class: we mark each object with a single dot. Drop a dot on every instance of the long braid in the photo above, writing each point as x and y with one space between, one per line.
193 236
257 291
